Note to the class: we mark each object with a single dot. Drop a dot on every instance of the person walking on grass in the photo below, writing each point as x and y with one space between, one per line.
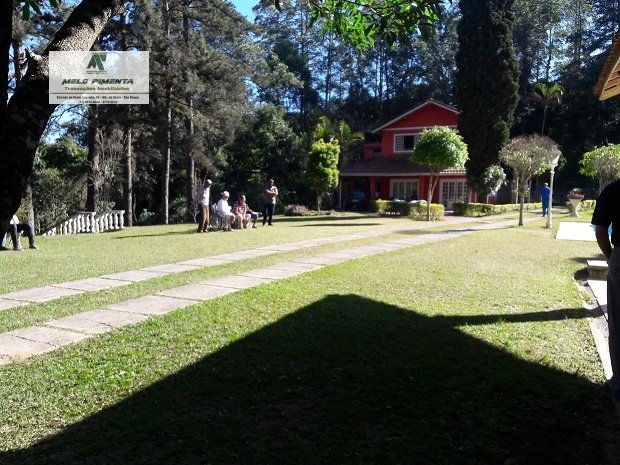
545 192
271 192
606 214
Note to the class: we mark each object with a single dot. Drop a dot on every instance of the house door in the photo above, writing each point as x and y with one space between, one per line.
453 191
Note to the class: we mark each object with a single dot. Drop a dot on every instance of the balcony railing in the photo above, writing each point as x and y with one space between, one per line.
89 222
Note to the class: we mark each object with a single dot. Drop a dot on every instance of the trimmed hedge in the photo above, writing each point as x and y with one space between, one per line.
416 211
487 209
585 205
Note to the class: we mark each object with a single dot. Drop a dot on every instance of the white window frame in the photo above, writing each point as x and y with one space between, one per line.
453 190
399 142
402 188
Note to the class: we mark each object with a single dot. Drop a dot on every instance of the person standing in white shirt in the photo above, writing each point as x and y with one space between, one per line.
204 201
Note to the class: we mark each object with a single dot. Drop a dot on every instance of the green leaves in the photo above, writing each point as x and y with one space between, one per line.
36 6
362 22
602 163
440 148
528 156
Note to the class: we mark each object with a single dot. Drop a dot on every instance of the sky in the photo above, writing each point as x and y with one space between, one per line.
245 6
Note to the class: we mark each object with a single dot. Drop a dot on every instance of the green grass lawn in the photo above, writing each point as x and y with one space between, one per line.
474 350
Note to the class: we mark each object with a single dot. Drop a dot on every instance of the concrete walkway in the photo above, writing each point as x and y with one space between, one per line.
23 343
597 288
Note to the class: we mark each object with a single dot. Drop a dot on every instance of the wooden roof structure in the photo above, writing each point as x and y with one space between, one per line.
608 84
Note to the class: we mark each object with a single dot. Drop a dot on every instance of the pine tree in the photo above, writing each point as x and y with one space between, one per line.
486 81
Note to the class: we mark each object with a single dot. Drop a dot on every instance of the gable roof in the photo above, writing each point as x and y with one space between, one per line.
419 107
608 84
392 165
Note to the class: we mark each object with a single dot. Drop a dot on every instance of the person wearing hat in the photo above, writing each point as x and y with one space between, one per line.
223 210
271 192
203 200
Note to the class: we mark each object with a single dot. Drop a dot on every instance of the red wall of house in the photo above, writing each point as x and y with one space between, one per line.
428 116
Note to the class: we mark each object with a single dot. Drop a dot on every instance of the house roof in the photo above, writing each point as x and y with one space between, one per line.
608 84
404 115
392 165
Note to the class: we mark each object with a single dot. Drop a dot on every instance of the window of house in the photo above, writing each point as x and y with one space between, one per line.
405 142
404 189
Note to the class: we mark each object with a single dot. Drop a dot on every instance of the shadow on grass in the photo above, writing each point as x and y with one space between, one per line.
326 219
350 381
161 234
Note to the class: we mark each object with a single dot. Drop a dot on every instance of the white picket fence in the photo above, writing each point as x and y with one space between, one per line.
89 222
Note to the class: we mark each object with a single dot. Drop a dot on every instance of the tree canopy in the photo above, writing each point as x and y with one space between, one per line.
24 116
322 169
486 82
439 148
528 156
602 163
363 22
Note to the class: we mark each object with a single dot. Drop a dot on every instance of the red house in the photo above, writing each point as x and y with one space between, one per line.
386 172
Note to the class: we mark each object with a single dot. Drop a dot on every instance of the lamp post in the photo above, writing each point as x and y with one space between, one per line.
554 157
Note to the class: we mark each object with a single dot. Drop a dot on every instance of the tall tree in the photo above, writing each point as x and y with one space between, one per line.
322 169
549 95
602 163
486 82
24 117
528 156
439 148
94 155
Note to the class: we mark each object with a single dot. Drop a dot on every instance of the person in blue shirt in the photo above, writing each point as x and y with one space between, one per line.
545 192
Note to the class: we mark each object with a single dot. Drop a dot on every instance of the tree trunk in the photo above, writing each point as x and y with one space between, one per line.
127 141
94 154
128 194
19 68
6 26
165 169
190 176
521 204
28 110
190 170
429 198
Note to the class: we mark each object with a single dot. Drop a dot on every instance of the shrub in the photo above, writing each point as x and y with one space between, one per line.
146 218
415 210
588 205
296 210
487 209
418 211
584 205
178 211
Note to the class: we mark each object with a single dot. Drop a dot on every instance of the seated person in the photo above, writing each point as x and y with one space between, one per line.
15 228
223 211
243 213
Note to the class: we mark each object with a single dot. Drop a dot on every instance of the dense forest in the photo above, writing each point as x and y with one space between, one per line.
240 102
